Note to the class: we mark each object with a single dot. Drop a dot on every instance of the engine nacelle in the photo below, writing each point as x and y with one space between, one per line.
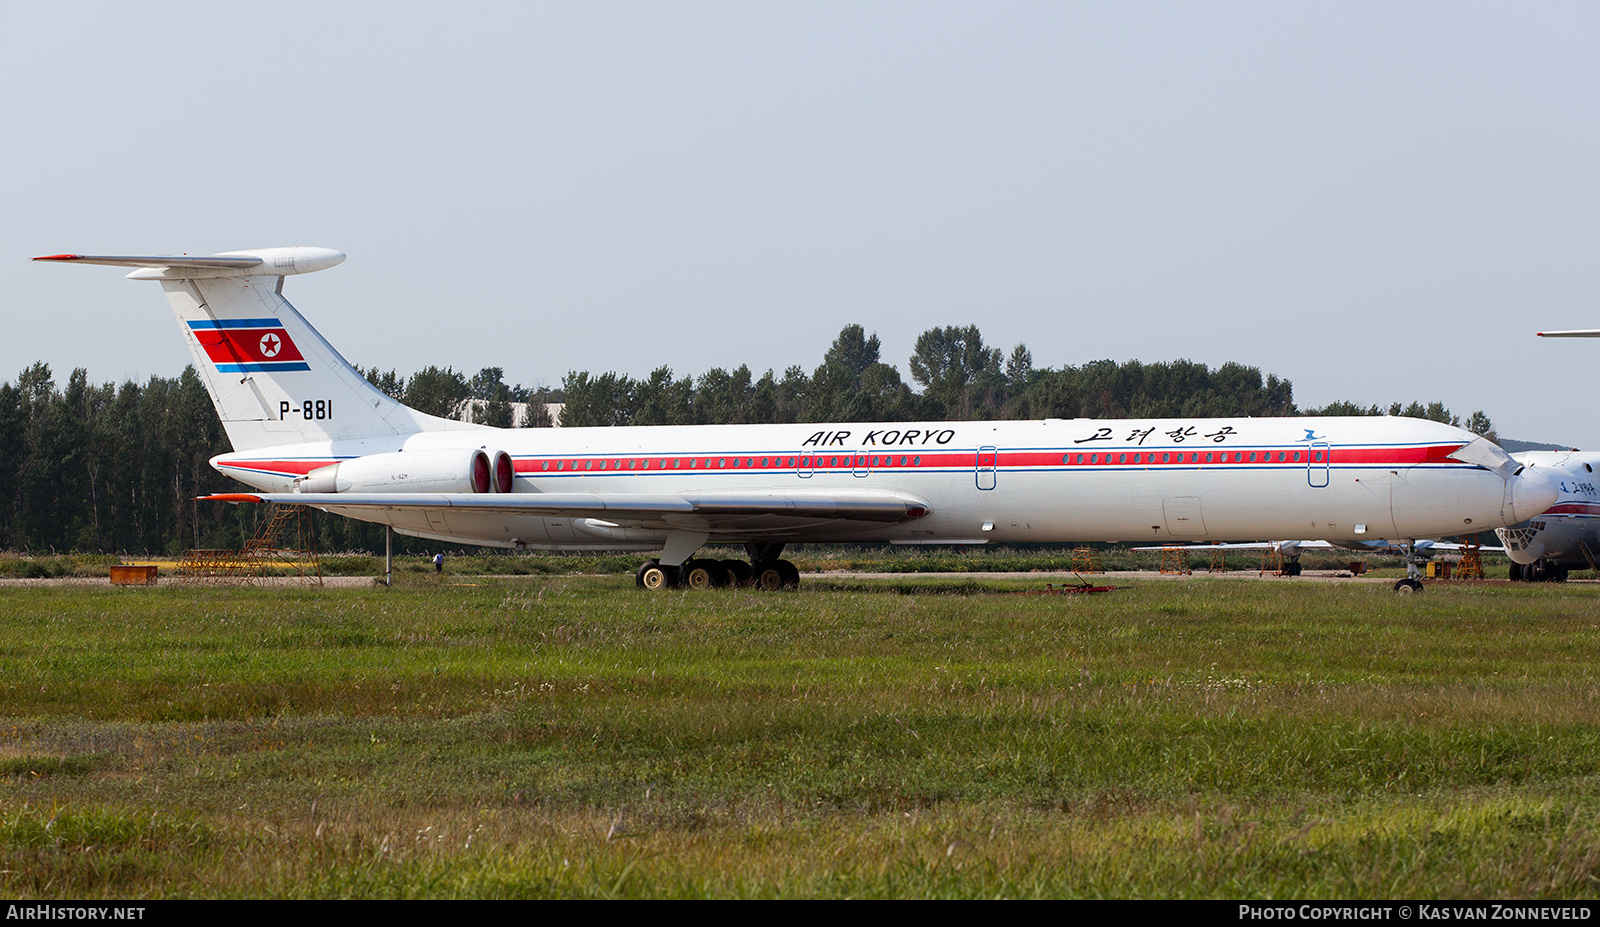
459 470
504 472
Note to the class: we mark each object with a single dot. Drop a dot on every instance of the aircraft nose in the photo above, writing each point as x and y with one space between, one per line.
1531 493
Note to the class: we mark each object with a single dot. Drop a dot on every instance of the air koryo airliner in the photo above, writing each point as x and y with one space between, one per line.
308 429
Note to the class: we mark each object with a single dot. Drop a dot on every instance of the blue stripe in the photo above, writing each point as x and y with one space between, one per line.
237 323
263 368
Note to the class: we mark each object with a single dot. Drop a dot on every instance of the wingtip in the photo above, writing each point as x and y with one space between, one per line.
59 257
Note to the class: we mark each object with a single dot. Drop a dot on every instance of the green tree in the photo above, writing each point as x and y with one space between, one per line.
1344 407
536 413
1433 412
723 398
765 400
853 385
437 392
492 398
1478 423
960 377
662 400
852 353
391 385
1019 367
603 400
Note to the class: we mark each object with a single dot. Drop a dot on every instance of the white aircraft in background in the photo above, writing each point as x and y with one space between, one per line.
1567 536
308 429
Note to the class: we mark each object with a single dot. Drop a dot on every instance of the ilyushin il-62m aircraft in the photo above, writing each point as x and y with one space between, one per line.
308 429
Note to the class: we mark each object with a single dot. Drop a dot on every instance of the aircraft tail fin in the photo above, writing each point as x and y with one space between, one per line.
272 377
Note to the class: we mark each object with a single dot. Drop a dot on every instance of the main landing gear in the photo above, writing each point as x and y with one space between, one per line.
1540 571
764 571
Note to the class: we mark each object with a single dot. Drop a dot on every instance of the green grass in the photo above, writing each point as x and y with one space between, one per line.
810 558
565 736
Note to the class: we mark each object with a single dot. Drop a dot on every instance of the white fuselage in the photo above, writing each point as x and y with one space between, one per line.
983 482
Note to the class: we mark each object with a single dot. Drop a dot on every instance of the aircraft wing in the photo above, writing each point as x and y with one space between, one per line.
1447 545
1377 545
1572 333
711 510
1245 545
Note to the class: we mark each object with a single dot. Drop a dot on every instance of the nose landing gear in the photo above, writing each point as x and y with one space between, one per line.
1413 581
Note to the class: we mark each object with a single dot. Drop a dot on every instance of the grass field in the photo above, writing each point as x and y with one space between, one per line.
570 736
810 558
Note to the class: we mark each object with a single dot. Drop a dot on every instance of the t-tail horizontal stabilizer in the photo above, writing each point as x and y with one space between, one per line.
275 262
273 379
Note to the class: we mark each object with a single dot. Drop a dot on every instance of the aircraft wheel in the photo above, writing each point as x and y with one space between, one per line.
739 572
1408 586
653 576
768 577
704 574
1292 568
1516 571
791 574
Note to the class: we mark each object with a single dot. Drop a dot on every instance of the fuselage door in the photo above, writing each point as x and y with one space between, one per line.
1317 457
987 459
1183 516
805 465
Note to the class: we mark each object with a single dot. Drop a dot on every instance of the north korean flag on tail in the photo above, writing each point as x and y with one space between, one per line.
248 345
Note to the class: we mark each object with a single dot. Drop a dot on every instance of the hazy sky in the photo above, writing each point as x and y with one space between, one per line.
1377 201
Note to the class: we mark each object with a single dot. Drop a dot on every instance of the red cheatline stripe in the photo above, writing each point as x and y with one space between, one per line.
1573 508
1388 456
1405 456
278 466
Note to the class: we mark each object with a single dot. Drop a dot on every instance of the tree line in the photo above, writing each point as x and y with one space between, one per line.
116 468
957 377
